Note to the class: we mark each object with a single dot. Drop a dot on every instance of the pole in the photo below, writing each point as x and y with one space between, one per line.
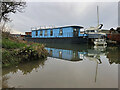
98 14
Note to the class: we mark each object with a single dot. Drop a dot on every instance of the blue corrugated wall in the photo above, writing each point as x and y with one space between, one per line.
67 32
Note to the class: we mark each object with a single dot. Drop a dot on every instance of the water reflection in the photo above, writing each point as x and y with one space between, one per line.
60 71
93 53
5 82
72 52
75 52
25 68
113 54
69 55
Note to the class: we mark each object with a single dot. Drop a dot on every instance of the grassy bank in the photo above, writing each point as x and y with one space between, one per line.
9 44
15 51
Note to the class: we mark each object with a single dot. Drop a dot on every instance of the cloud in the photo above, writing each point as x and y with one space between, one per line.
65 13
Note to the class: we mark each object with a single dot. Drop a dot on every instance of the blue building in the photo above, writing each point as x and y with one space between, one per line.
69 34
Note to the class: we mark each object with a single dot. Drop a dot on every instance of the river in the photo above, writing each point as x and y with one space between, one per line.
67 66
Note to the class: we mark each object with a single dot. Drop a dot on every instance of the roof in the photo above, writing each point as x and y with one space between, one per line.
91 28
16 34
118 28
60 27
95 28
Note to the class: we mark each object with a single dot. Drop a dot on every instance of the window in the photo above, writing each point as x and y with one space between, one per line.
92 31
45 33
51 33
61 32
36 33
41 32
75 29
51 52
60 54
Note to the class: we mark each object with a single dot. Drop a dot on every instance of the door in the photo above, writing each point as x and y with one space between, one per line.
75 32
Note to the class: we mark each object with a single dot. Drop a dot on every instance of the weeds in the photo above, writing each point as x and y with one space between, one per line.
17 52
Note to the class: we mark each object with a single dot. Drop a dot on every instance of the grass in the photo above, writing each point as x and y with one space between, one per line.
24 54
15 51
9 44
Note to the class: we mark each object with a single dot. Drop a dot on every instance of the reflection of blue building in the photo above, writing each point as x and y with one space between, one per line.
69 34
66 54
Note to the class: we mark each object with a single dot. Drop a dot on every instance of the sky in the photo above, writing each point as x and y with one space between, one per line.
38 14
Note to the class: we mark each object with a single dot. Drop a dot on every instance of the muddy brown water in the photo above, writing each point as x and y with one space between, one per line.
67 66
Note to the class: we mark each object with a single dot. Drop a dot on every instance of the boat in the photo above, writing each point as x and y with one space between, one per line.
64 34
100 48
98 42
94 33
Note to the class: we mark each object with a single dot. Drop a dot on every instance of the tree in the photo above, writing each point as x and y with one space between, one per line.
10 6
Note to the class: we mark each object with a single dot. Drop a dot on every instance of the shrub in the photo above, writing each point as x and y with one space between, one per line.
15 51
27 53
32 52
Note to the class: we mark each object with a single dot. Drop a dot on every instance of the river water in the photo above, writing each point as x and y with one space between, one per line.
68 66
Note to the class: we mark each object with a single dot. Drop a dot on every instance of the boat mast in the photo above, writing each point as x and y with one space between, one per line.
98 14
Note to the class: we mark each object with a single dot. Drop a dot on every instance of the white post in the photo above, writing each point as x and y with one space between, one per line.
98 14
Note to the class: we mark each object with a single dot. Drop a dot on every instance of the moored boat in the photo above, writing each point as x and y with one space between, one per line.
66 34
100 42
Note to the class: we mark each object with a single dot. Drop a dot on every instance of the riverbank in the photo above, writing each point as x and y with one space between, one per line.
16 51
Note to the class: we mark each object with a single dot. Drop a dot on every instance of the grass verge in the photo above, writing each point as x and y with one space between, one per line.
15 51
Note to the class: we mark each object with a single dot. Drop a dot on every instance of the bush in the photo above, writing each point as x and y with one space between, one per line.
15 51
33 52
27 53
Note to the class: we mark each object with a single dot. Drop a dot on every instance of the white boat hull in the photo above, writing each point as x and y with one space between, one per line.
100 42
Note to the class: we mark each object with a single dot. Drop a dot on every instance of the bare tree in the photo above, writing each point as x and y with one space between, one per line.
10 6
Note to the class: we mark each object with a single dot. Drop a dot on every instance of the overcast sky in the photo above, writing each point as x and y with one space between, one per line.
65 13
